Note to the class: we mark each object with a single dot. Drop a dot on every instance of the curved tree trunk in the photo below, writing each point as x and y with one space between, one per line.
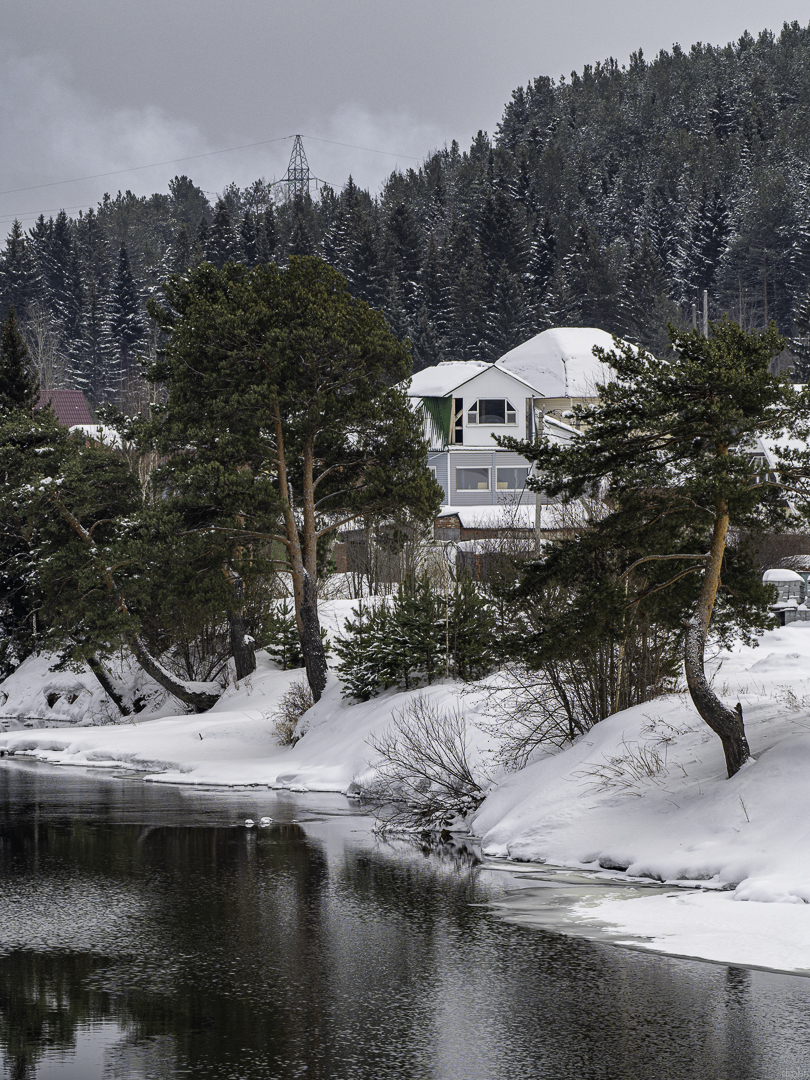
724 722
108 686
200 696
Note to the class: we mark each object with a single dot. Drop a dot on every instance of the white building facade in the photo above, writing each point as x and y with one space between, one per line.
530 390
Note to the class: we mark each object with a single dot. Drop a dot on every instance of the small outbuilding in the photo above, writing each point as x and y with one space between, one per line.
789 585
69 406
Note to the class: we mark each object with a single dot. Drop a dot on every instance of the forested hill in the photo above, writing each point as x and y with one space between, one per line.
611 199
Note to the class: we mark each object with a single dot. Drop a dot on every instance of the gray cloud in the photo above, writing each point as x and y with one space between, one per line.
90 86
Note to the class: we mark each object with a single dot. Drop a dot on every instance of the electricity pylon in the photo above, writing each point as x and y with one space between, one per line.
298 175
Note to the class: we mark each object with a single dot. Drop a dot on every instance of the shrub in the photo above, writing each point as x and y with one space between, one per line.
291 708
425 778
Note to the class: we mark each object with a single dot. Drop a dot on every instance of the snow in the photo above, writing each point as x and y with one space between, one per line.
560 362
491 517
781 575
521 516
680 820
643 795
442 379
99 433
36 696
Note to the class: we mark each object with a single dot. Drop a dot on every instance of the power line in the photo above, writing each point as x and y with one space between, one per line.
191 157
334 142
139 168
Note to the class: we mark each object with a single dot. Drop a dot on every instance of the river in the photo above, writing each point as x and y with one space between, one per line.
146 933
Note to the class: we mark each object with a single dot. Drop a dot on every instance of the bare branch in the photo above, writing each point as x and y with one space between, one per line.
658 558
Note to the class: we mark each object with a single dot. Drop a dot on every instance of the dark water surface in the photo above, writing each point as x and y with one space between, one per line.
145 934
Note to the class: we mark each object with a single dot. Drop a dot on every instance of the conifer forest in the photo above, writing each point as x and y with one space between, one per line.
611 198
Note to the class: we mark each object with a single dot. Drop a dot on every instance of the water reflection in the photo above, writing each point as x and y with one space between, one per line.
144 933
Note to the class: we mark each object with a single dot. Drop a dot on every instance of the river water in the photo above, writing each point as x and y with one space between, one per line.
146 933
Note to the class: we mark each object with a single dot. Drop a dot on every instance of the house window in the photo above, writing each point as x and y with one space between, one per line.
472 479
492 412
458 421
512 479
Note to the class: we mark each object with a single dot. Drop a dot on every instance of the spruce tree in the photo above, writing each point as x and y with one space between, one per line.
20 280
221 247
19 387
126 326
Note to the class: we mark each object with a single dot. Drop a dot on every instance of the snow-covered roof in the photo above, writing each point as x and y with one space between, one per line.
560 362
492 517
442 379
557 431
552 516
781 575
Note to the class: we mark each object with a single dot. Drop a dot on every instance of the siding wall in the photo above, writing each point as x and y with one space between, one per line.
447 462
438 461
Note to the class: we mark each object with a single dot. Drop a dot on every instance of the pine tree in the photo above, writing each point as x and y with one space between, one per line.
472 631
282 643
312 412
370 655
668 514
420 621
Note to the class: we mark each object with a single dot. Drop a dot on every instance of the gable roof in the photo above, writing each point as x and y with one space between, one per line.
442 379
560 362
69 406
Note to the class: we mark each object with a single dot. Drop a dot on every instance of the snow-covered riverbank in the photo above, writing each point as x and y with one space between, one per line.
644 794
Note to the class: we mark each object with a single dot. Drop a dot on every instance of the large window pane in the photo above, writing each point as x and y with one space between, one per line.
511 479
472 479
491 411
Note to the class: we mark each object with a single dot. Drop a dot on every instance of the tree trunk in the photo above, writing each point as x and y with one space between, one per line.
311 643
200 696
303 563
724 722
108 686
242 645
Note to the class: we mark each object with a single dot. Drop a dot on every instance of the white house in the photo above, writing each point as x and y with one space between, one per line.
527 391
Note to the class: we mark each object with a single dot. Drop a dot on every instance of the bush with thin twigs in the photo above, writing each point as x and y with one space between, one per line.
630 770
641 762
425 778
291 708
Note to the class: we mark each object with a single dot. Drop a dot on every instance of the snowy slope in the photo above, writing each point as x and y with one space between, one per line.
646 791
643 794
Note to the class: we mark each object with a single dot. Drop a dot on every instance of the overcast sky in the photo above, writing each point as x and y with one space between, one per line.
93 86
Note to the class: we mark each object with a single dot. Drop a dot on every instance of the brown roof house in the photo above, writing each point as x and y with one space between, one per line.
69 406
